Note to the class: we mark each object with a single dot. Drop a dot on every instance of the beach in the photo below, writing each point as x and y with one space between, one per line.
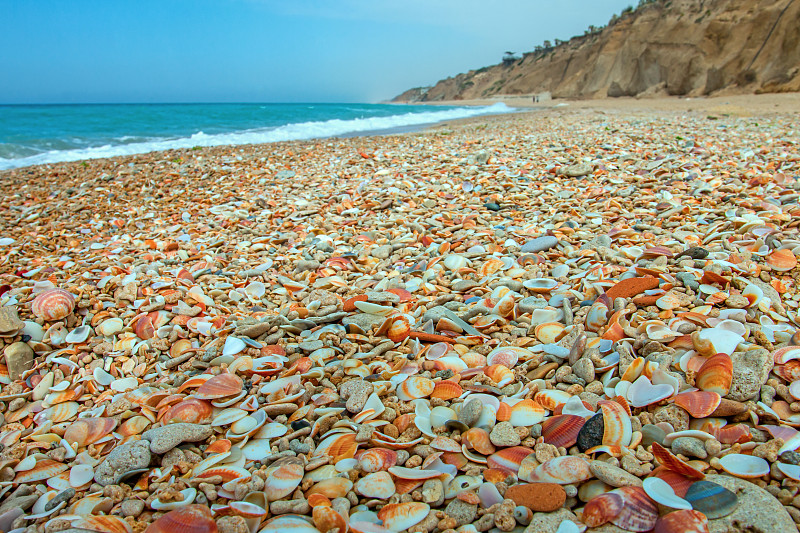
488 324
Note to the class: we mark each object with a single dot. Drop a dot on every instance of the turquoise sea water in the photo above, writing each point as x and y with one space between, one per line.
34 134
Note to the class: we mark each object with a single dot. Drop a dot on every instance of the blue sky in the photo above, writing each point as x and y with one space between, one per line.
87 51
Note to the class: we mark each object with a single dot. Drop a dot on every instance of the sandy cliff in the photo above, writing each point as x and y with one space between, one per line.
674 47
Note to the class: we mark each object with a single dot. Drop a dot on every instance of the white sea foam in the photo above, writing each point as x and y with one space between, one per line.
288 132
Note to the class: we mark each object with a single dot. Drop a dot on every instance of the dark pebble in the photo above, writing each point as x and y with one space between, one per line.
695 253
63 496
300 424
491 206
793 458
591 434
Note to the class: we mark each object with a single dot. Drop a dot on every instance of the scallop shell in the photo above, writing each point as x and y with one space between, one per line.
53 304
401 516
189 519
289 523
42 470
639 512
602 508
447 390
782 260
399 330
478 440
191 411
508 356
509 459
415 387
376 459
711 499
283 480
716 374
500 375
85 431
220 386
103 523
327 519
699 404
670 462
564 470
617 429
562 430
335 487
683 521
744 466
552 399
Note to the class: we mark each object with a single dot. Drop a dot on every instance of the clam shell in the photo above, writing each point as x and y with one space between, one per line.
401 516
80 475
478 440
327 519
501 375
602 508
335 487
415 387
683 521
782 260
289 523
562 470
42 470
562 430
639 512
716 374
189 519
552 399
508 356
447 390
745 466
699 404
670 462
509 459
526 413
191 411
711 499
660 491
283 480
375 485
53 304
376 459
85 431
616 424
219 386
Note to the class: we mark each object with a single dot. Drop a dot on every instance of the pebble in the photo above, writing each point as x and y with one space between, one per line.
578 170
19 359
613 475
690 447
471 412
549 522
132 508
63 496
356 393
750 370
129 457
584 369
538 497
591 434
164 438
539 244
758 510
503 434
464 513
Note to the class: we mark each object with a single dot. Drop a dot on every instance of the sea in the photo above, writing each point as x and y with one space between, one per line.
37 134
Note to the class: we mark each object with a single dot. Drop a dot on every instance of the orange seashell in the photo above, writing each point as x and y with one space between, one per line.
562 430
682 521
415 387
494 475
478 440
670 462
399 330
219 446
350 303
458 460
447 390
133 426
191 411
400 516
500 374
617 429
602 508
445 444
403 421
679 483
503 412
526 413
782 260
326 519
376 459
639 512
193 518
509 459
316 500
736 433
44 469
552 399
219 386
104 523
335 487
53 304
699 404
339 446
716 374
283 480
86 431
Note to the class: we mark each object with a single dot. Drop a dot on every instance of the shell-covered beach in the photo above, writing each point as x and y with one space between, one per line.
570 318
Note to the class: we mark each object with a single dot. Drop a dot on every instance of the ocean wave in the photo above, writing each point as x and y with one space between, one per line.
288 132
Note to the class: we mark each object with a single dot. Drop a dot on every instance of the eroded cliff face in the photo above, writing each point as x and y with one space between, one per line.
674 47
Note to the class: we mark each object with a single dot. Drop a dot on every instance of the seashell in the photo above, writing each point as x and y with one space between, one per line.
744 466
282 480
377 459
712 341
42 470
500 375
670 462
219 386
547 314
327 519
53 304
639 512
786 354
375 485
290 523
103 523
191 411
447 390
562 430
597 317
133 426
683 521
78 335
509 459
445 444
508 356
564 470
478 440
110 326
660 491
716 374
699 404
401 516
335 487
188 497
189 519
782 260
540 285
85 431
80 475
548 332
711 499
526 413
399 330
642 392
602 508
617 429
415 387
233 346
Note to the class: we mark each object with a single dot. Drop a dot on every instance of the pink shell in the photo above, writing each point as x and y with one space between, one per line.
53 304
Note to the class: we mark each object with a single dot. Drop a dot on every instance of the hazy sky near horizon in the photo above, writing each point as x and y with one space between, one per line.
104 51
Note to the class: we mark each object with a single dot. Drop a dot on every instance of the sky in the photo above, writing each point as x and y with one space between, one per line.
163 51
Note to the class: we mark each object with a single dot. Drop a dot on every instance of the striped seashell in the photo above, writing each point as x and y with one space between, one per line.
562 430
699 404
85 431
617 429
190 410
639 512
283 480
400 329
552 399
104 523
53 304
401 516
670 462
192 518
133 426
447 390
508 356
219 386
500 375
782 260
375 485
509 459
716 374
376 459
478 440
338 446
42 470
562 470
415 387
526 413
682 521
602 509
334 487
327 519
711 499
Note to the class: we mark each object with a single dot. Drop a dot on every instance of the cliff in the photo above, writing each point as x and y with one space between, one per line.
672 47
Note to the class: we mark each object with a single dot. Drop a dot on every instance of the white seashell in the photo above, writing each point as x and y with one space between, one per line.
188 497
102 377
42 388
746 466
642 392
257 449
574 406
374 309
255 290
110 326
33 330
78 335
228 416
124 384
660 491
440 415
455 262
80 475
233 345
